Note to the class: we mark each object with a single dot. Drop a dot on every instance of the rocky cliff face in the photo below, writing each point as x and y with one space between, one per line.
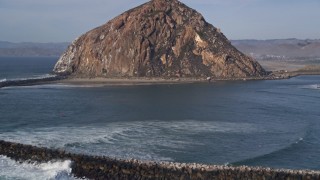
162 38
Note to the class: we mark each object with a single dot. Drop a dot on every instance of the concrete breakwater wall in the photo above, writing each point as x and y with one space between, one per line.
30 81
94 167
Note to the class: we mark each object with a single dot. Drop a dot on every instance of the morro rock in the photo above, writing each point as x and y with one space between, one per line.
161 38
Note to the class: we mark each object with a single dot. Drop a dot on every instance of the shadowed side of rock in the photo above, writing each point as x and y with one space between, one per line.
94 167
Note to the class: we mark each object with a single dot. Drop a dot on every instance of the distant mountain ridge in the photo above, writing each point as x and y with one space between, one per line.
31 49
259 49
279 49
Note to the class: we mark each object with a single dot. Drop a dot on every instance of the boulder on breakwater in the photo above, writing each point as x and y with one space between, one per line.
94 167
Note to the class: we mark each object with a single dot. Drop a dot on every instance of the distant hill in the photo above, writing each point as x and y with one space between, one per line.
32 49
280 49
282 54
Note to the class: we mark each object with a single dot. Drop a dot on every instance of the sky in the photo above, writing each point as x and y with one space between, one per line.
64 20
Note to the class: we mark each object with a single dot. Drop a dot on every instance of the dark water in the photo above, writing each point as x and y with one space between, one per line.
25 67
259 123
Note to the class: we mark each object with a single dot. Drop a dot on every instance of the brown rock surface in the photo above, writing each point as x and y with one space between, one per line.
161 38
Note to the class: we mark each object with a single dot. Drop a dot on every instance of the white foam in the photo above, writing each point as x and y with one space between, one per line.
3 80
140 139
300 139
43 76
59 170
312 86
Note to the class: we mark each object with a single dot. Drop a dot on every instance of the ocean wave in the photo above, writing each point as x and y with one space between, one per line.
139 139
283 150
3 80
53 170
311 86
109 141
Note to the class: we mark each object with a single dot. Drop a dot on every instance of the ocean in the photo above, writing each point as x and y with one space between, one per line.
273 123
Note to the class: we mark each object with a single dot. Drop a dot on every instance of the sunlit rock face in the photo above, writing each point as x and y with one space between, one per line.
161 38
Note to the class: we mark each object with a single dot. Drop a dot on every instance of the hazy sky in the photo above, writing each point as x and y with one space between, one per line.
64 20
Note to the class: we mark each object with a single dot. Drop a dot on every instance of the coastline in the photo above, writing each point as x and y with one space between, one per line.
100 167
158 80
127 81
109 81
155 80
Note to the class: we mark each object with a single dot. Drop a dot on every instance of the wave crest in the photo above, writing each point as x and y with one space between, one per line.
3 80
10 169
312 86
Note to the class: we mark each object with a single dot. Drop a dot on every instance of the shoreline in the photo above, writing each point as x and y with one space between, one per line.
101 167
105 81
157 80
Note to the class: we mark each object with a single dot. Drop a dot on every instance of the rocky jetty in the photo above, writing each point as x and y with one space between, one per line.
161 38
31 81
94 167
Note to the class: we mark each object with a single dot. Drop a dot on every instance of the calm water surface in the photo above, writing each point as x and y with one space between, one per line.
259 123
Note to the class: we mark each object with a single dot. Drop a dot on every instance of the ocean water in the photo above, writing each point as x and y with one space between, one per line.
257 123
25 67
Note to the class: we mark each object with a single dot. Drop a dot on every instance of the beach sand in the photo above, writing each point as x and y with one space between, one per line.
129 81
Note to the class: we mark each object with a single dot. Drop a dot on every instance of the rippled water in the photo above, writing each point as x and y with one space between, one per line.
264 123
25 67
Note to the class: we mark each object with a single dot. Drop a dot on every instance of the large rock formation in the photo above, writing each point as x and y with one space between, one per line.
161 38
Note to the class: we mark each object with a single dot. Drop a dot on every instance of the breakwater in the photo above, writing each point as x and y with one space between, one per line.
30 81
96 167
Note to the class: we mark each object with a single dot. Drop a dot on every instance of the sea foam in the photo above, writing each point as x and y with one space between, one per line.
312 86
55 170
126 139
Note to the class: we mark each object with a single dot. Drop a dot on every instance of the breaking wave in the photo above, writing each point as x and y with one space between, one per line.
312 86
43 76
53 170
269 155
140 140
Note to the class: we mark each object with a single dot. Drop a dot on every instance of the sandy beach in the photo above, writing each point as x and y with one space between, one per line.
125 81
128 81
148 81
